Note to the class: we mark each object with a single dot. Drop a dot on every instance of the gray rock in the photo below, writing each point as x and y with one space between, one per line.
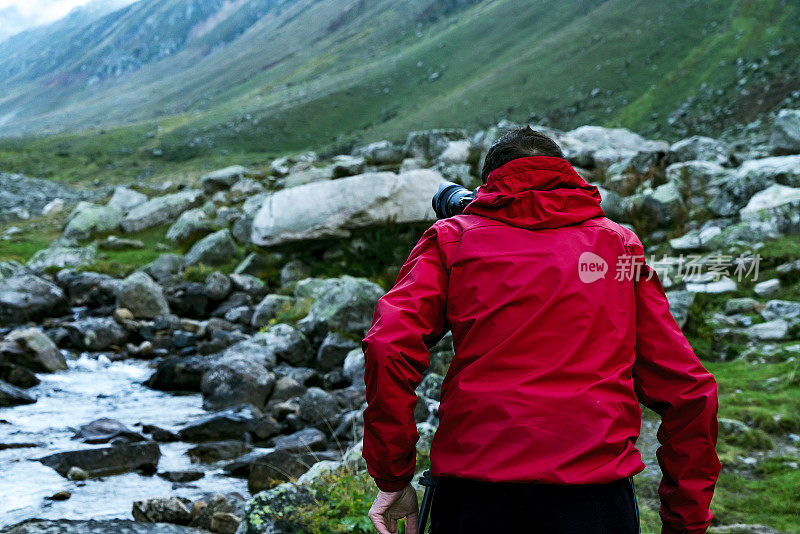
286 388
164 267
253 264
456 152
163 510
113 242
218 286
222 514
18 376
96 333
343 166
663 205
701 149
777 207
105 461
334 208
104 430
430 144
271 469
381 153
741 528
190 226
307 175
734 190
218 248
249 284
117 526
767 287
741 305
126 199
160 210
288 345
785 137
20 196
142 296
32 349
234 380
88 220
269 308
354 366
232 423
781 309
216 451
246 187
334 350
293 271
317 471
613 204
771 330
271 512
343 304
13 396
696 239
306 440
62 257
319 408
590 146
223 179
27 297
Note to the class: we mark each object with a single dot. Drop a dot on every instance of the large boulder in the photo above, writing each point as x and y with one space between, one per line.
13 396
160 210
120 458
232 423
142 296
334 208
27 297
777 207
273 511
223 179
319 408
96 333
344 305
430 144
307 175
381 153
88 220
104 430
699 148
287 344
163 510
785 137
734 190
87 288
333 351
218 248
590 146
62 256
126 199
190 226
32 349
269 308
164 267
276 467
234 380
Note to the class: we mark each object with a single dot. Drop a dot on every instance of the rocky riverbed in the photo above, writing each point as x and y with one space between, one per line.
189 355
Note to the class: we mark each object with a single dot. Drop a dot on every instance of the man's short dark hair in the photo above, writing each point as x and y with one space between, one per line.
520 143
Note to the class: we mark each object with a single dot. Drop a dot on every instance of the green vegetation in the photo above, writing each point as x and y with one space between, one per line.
566 63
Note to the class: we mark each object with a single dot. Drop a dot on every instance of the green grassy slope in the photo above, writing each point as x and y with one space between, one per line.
324 75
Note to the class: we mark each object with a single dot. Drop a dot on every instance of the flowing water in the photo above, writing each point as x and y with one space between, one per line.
92 388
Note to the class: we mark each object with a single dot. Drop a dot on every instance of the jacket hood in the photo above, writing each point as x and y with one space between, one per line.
537 192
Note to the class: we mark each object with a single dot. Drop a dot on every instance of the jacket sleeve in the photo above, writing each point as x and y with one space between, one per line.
669 379
407 319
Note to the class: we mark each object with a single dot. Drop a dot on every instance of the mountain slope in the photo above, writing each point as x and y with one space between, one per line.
254 75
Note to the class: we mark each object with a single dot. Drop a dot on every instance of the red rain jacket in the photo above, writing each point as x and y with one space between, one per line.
552 354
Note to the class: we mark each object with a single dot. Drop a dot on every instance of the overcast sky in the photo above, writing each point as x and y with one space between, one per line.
18 15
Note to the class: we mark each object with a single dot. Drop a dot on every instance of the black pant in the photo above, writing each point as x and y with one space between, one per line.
463 506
